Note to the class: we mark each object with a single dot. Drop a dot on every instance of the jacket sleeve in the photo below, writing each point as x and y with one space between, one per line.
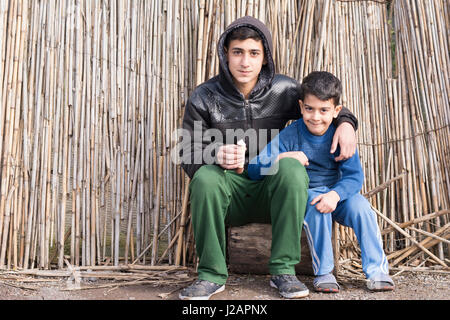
261 165
346 116
351 177
195 139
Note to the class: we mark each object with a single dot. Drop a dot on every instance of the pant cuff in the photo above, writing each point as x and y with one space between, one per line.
212 278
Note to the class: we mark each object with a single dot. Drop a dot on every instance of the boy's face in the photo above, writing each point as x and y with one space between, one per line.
318 114
245 60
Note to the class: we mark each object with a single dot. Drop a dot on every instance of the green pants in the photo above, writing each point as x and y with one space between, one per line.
222 197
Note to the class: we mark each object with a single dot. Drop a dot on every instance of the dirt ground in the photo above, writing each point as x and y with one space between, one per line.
409 286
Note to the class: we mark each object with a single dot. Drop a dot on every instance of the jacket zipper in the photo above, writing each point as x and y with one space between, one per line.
247 113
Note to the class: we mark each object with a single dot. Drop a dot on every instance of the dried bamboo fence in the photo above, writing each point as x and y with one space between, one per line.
92 91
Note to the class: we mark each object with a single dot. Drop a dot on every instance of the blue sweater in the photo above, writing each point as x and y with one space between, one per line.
344 177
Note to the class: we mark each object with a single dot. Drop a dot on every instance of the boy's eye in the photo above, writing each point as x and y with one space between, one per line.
240 52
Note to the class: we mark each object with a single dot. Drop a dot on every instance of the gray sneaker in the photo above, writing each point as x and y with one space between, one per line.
200 290
380 282
289 286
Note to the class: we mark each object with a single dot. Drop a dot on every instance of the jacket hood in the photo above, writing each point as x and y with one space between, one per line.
268 70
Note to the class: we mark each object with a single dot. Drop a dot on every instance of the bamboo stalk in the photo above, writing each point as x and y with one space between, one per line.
157 215
432 235
408 236
406 252
182 227
424 218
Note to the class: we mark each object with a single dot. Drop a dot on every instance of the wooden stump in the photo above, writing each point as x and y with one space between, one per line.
249 250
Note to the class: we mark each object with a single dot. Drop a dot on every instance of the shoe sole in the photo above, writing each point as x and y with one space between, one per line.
293 295
378 288
381 289
318 288
327 290
201 297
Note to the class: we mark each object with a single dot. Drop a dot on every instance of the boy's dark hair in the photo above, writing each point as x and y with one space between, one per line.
242 33
322 85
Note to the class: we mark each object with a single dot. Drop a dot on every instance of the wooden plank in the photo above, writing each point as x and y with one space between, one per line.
249 250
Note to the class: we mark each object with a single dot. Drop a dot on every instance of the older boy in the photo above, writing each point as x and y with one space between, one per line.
334 187
246 95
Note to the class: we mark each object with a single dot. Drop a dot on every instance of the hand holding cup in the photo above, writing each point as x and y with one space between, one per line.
232 156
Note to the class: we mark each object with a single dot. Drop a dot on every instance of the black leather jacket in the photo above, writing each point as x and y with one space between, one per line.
217 104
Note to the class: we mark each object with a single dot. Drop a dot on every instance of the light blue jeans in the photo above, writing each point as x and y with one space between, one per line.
354 212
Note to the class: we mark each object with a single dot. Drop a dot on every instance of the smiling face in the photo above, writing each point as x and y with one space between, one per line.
318 114
245 59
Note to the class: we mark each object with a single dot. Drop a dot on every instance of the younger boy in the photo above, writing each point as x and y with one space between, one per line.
334 187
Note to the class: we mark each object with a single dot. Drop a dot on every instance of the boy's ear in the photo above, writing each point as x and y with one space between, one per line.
300 103
337 109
